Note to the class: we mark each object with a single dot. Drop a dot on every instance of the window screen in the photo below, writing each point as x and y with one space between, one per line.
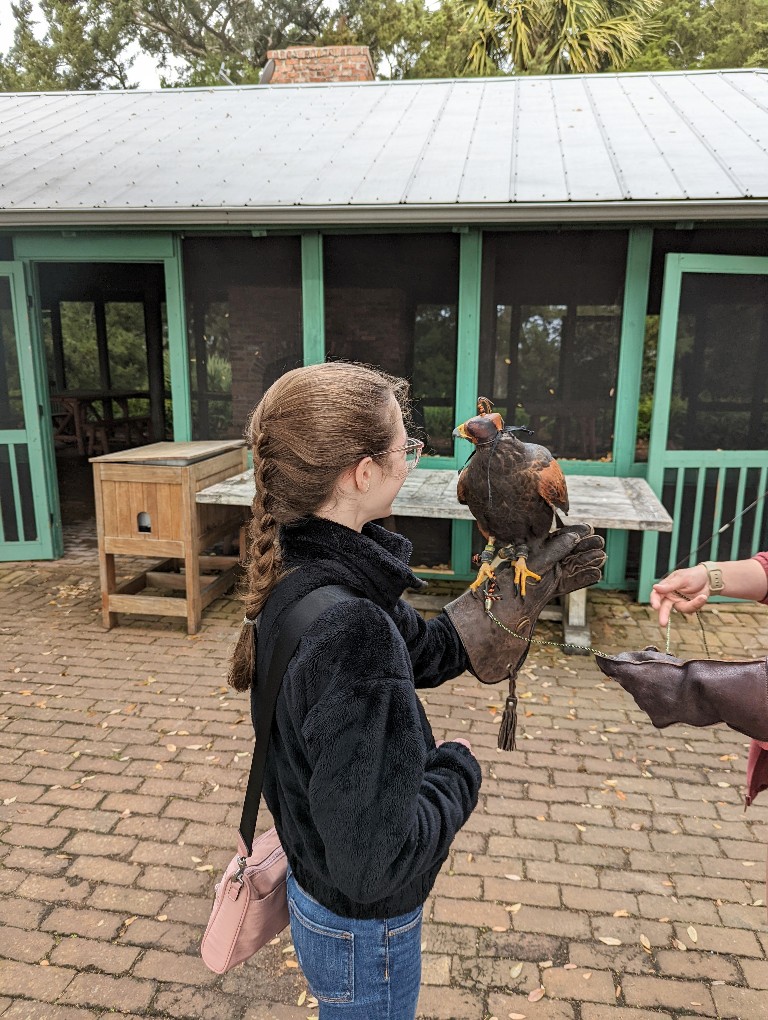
550 332
243 298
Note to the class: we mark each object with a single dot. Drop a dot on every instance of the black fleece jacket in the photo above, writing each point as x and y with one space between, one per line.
365 805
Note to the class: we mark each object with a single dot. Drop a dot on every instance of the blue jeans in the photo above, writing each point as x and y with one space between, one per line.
357 970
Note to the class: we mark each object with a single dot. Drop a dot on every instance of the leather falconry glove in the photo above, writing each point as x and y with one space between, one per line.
568 559
699 692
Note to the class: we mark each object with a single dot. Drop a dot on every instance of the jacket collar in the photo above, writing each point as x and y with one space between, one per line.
374 561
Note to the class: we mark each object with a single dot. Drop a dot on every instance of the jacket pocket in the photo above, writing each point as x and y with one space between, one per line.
326 956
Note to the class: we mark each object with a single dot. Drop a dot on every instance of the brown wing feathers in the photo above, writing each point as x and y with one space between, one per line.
552 486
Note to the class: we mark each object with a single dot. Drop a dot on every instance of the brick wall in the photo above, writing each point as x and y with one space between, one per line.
321 63
265 340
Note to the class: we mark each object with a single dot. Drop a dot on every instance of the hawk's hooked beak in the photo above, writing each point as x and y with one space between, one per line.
460 432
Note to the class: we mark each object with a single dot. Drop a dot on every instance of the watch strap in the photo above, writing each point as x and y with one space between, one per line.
714 576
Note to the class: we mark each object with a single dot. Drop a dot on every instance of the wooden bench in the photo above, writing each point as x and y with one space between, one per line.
600 500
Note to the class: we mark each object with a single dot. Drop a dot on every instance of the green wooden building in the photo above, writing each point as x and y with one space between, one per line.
590 252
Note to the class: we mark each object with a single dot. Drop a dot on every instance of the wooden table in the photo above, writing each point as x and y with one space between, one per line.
625 504
81 420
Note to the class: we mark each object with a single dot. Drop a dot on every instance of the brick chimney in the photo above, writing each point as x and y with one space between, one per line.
321 63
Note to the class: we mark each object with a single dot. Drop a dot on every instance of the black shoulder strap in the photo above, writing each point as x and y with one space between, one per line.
291 627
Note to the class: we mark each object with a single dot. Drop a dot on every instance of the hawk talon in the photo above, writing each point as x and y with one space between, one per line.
486 559
484 574
522 573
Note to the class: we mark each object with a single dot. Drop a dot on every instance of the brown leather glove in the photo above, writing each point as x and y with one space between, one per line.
568 559
699 692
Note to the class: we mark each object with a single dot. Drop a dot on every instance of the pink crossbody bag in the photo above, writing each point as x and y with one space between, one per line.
250 905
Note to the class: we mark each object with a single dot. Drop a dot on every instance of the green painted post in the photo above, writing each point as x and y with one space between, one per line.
38 433
313 297
636 282
181 390
662 394
467 357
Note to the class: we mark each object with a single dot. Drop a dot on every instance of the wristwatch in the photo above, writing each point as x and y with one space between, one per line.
714 576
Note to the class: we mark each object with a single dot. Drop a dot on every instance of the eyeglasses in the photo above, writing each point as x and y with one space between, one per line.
412 450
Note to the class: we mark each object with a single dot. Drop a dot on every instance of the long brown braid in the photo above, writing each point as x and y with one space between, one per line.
311 425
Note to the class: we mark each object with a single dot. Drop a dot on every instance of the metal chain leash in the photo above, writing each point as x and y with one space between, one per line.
588 648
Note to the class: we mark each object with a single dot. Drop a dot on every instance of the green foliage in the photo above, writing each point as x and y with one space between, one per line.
125 340
92 44
556 36
700 34
407 38
84 46
233 33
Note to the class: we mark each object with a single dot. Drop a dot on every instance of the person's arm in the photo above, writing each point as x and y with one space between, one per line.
434 647
688 589
386 806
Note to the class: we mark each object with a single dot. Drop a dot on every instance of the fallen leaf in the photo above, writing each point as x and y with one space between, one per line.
8 800
516 971
513 878
645 942
45 963
609 940
680 945
587 975
498 927
130 920
621 913
194 747
274 941
693 935
291 963
204 867
516 1016
545 964
536 994
301 999
570 966
161 917
514 908
170 747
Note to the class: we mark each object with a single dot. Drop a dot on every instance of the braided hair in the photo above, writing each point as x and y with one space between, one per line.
311 425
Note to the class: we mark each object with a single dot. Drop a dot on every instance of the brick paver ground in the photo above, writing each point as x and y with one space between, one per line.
608 864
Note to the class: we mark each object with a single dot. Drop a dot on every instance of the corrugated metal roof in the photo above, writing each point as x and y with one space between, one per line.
595 147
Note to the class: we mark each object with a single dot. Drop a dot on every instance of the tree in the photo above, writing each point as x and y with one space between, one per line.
407 39
91 44
84 46
232 36
698 34
556 36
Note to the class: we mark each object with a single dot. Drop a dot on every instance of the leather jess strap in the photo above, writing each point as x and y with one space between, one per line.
279 634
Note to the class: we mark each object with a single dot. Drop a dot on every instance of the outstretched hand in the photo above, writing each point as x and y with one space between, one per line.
684 590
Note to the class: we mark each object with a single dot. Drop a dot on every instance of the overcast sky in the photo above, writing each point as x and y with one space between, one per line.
144 70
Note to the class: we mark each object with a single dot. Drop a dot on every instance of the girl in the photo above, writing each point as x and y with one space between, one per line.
364 800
